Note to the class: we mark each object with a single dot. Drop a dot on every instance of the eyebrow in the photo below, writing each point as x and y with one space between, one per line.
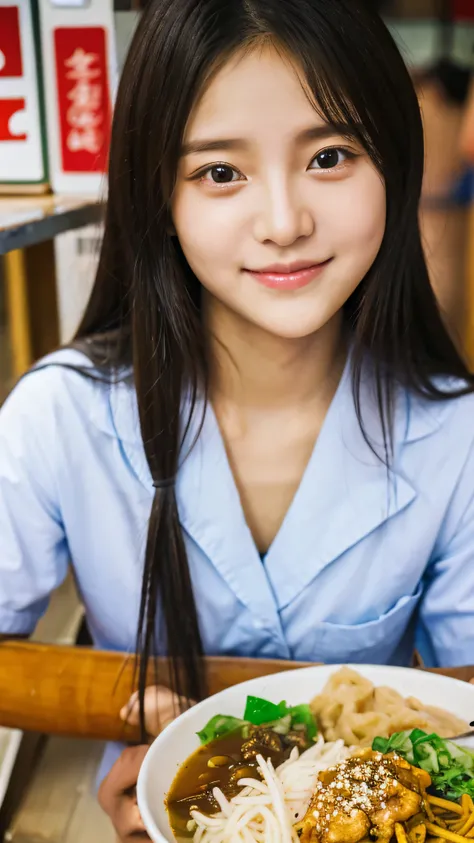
324 131
227 144
321 132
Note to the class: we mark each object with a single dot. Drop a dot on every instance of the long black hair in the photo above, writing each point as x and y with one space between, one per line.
144 311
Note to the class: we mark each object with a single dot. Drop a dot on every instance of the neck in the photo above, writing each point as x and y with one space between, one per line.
254 369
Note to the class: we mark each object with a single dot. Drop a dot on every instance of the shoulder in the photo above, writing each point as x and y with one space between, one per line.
446 459
438 453
442 420
61 391
50 383
450 418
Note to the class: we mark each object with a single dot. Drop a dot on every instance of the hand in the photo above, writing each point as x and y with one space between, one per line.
118 799
161 707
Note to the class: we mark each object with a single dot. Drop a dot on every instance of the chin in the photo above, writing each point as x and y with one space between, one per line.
295 318
294 329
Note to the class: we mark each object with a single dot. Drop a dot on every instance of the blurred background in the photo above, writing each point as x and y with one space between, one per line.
60 61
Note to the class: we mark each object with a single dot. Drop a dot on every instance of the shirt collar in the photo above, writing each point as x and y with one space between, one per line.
115 411
346 491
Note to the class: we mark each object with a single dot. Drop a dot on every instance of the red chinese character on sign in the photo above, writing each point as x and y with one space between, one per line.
89 140
84 102
9 109
82 65
464 9
10 44
84 115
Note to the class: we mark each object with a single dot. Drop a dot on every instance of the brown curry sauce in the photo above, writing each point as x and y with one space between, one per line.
220 763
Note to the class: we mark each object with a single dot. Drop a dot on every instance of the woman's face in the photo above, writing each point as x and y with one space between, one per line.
278 214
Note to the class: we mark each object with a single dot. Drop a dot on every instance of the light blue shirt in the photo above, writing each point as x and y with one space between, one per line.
365 560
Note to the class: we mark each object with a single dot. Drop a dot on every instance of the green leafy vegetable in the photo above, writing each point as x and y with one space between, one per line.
301 715
259 712
451 767
399 742
219 726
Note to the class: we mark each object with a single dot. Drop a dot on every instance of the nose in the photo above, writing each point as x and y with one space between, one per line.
467 131
283 216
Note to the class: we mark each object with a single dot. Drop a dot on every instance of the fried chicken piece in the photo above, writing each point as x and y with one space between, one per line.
401 805
345 829
342 829
363 796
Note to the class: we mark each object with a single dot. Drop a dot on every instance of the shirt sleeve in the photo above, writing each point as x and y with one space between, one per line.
446 619
33 547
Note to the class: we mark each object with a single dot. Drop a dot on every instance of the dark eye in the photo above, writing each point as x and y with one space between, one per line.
222 174
327 159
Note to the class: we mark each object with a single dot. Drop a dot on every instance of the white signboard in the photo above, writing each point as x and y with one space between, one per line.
21 145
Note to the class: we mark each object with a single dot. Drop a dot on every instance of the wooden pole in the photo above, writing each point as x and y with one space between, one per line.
18 314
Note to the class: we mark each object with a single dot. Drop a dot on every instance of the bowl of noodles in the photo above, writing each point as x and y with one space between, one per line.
326 754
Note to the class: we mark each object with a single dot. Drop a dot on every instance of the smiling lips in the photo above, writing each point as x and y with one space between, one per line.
290 276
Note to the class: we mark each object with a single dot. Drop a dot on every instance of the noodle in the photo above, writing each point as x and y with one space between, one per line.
446 804
461 821
264 811
444 833
467 826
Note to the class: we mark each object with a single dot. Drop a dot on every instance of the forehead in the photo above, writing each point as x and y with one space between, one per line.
255 89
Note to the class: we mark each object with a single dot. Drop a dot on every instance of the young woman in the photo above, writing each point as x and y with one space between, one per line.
261 441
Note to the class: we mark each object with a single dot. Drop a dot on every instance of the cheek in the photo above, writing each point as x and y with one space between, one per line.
205 241
358 217
368 225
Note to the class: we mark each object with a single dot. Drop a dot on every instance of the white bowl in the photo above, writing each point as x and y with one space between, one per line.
179 740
